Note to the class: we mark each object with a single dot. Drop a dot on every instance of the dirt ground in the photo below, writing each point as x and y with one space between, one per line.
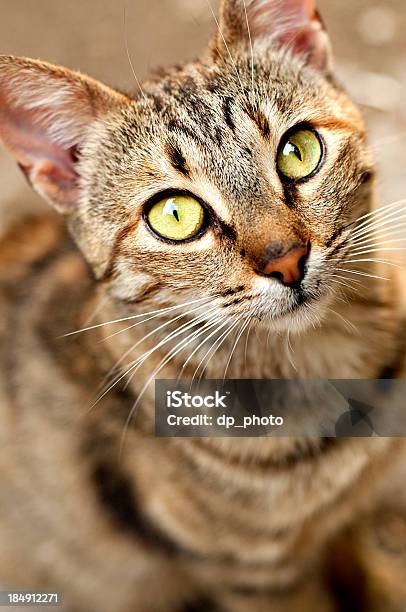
368 38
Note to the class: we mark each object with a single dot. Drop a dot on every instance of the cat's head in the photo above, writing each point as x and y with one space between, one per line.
234 178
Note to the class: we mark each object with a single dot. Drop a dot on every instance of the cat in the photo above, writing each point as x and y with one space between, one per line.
230 192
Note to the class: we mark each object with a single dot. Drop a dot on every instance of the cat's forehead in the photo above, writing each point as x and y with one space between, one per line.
220 125
207 98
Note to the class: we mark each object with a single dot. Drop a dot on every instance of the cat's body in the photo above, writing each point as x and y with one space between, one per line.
167 524
145 524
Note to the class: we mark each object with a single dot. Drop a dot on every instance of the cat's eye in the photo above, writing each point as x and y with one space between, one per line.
177 218
300 154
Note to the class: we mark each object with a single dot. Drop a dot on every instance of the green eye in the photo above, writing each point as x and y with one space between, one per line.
177 218
299 154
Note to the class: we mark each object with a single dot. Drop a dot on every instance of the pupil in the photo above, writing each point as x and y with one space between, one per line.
292 148
170 208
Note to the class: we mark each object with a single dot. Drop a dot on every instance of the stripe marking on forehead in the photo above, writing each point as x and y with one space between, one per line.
177 158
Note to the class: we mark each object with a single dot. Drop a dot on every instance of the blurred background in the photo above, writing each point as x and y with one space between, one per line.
368 38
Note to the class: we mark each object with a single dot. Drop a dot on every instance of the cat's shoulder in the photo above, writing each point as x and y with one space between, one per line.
27 243
37 259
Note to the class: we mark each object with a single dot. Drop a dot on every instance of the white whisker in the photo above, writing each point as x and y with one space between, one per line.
246 342
374 239
213 349
132 317
250 39
347 323
343 284
362 274
382 210
99 306
199 346
352 280
290 351
372 260
177 349
174 334
375 250
133 367
127 50
182 314
225 44
146 336
388 220
240 332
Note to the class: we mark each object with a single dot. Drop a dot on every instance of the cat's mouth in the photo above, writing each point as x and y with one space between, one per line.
301 297
301 303
290 309
306 311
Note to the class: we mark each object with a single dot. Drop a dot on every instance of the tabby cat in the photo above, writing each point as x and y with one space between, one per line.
232 192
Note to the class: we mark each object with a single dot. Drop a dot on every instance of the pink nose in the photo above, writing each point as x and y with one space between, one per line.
285 262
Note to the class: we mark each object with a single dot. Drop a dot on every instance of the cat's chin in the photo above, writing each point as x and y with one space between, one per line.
282 309
309 313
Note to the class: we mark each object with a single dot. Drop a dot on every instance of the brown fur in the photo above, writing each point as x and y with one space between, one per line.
192 524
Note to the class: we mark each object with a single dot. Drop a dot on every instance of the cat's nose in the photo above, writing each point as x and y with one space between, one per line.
285 262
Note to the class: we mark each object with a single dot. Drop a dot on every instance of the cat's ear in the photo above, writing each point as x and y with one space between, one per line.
290 24
45 115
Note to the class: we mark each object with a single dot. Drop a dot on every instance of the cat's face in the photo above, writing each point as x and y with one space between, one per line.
235 178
